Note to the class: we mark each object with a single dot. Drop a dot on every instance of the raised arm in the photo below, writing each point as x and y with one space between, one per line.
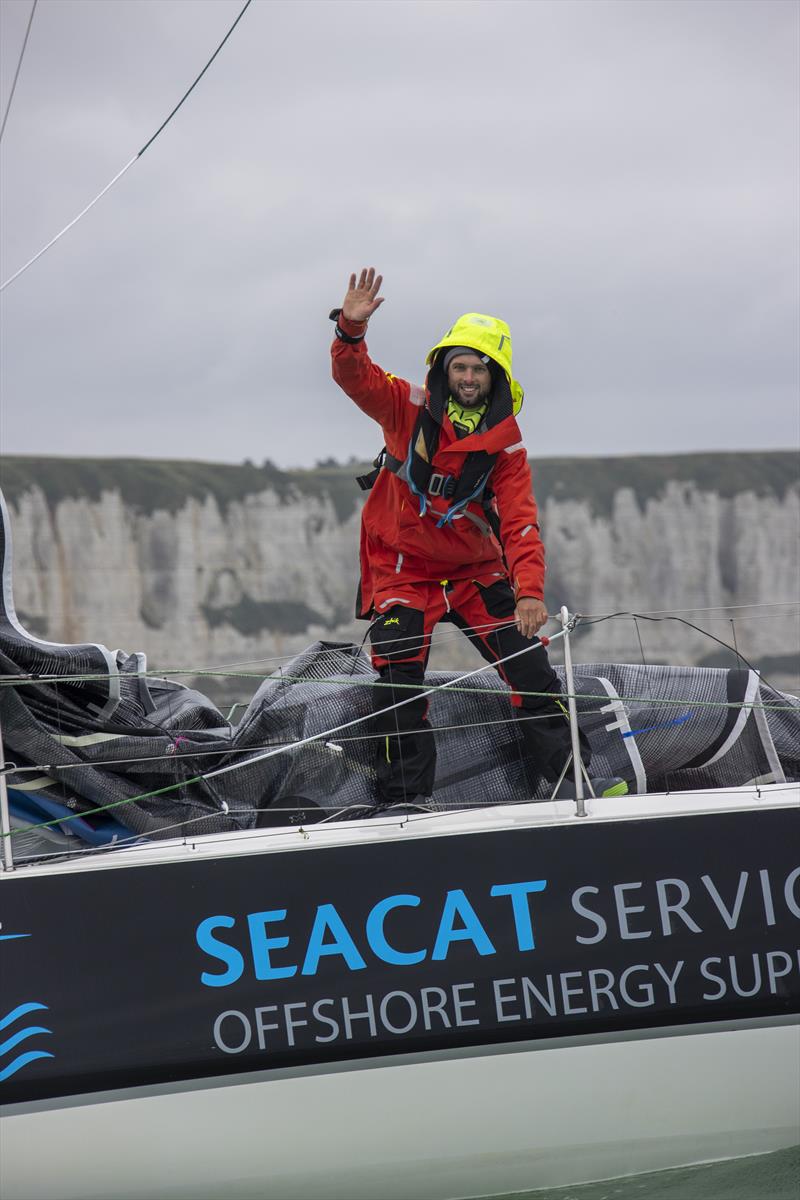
379 395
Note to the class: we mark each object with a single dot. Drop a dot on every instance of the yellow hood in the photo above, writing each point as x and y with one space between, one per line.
486 335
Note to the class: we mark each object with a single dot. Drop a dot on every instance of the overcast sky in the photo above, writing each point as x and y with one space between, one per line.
618 181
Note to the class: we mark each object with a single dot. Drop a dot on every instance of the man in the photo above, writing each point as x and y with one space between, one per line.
449 532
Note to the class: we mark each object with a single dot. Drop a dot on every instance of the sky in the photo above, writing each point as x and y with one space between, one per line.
619 181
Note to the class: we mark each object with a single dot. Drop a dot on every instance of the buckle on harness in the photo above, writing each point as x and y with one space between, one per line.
441 485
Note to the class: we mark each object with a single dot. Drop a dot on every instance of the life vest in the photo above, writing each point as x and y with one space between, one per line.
416 469
424 483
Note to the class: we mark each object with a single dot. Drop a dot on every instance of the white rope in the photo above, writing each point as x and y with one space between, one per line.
66 228
16 73
136 156
683 702
222 669
371 716
437 639
230 750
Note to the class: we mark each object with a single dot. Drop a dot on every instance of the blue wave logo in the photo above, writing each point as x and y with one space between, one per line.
15 1039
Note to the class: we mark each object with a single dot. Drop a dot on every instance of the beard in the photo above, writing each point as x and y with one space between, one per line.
473 397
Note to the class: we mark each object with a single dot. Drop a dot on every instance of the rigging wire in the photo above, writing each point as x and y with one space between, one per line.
368 681
642 616
16 73
317 737
222 670
271 752
361 737
449 685
440 637
720 608
140 841
682 702
135 158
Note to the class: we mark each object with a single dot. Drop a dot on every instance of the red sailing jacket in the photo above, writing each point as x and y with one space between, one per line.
397 544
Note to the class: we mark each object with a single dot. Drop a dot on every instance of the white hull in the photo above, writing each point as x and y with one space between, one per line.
436 1130
449 1124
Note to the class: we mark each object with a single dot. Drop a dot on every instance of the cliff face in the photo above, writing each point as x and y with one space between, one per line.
196 587
202 566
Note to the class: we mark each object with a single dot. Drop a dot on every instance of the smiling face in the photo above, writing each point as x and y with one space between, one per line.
469 380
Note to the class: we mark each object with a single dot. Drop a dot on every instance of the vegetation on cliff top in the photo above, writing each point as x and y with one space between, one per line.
150 484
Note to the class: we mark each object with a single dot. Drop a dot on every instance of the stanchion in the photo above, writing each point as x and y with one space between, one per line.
580 806
5 817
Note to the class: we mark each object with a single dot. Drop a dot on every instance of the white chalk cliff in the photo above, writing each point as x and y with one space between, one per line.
209 580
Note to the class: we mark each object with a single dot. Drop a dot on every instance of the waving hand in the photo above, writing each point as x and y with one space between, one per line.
362 297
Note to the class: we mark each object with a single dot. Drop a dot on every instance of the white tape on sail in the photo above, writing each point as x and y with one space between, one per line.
741 720
618 709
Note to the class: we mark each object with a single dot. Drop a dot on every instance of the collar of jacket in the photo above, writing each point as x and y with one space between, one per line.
492 441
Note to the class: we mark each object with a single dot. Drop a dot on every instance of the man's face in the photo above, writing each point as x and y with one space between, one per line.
469 380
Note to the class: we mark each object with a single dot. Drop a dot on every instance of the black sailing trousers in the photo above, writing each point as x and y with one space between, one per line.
401 639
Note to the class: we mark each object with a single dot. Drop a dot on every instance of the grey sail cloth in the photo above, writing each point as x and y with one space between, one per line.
675 728
98 732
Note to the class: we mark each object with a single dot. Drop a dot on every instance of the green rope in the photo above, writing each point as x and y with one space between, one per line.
91 812
371 682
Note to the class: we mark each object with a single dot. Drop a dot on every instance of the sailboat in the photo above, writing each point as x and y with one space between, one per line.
224 971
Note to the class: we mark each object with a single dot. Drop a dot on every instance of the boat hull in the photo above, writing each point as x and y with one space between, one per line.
432 1007
436 1130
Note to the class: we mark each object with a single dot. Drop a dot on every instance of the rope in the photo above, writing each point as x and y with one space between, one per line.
223 670
43 768
400 704
368 681
129 164
586 621
720 608
16 73
291 747
91 812
168 755
420 691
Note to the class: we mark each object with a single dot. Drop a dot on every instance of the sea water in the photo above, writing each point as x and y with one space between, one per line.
774 1176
